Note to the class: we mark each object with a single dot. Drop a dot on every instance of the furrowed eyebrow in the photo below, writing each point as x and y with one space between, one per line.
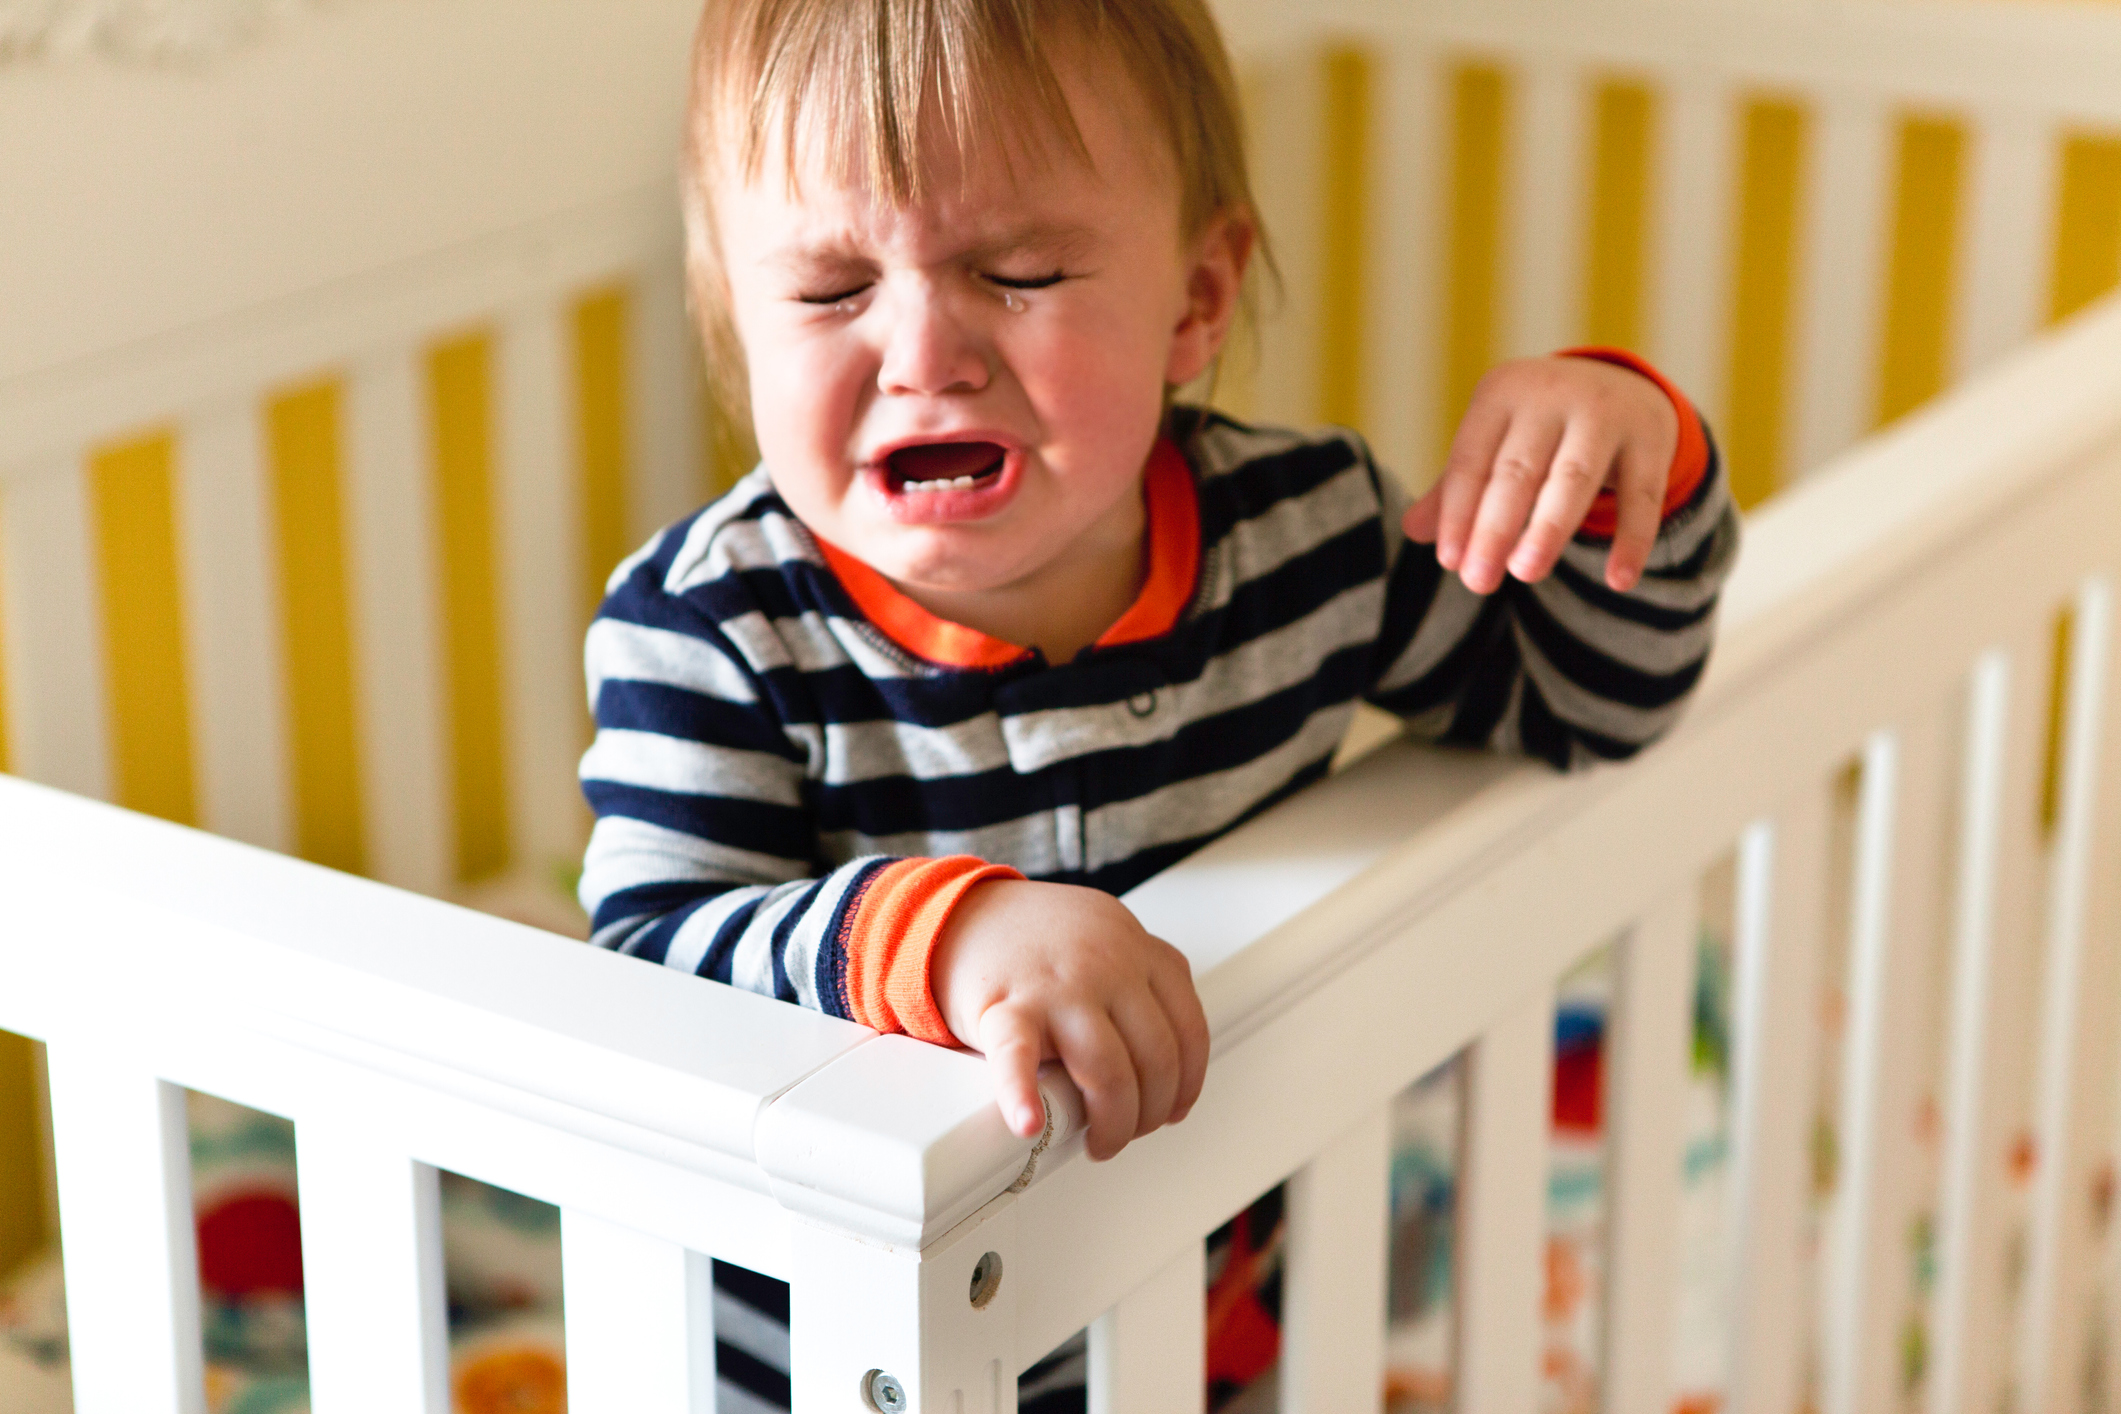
1060 240
1055 240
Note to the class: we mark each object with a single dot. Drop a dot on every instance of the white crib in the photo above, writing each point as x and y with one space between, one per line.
421 254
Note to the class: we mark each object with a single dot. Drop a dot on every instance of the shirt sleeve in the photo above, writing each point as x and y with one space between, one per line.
704 854
1568 669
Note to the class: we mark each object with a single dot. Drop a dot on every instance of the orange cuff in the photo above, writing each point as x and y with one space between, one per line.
892 938
1690 462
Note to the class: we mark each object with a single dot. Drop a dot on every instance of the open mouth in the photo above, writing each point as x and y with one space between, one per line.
944 466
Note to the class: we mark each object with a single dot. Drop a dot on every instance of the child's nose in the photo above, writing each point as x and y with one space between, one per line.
931 350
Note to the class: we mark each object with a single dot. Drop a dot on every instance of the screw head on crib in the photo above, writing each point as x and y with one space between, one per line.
883 1393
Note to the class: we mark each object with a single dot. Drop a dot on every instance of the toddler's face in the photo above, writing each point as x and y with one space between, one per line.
962 392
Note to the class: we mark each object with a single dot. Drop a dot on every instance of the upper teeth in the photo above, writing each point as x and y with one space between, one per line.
948 483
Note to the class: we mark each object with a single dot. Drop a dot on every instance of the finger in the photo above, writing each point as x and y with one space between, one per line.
1189 1024
1154 1049
1581 464
1465 474
1013 1042
1521 466
1098 1062
1641 491
1425 516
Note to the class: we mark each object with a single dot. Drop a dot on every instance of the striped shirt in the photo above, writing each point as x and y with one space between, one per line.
797 771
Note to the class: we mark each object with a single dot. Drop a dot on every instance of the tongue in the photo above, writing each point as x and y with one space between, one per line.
946 461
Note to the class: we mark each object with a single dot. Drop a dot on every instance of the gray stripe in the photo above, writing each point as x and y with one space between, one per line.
1027 842
630 652
688 949
1450 618
1650 650
751 1331
1204 805
867 751
680 765
752 967
625 853
807 938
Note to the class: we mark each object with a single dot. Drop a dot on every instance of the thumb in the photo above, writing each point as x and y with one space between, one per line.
1425 516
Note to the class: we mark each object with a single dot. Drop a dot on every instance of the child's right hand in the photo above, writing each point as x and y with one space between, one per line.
1028 972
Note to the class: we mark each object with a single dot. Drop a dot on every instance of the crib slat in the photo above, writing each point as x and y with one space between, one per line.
1844 243
1333 1302
1546 207
1651 1056
240 705
58 713
1139 1362
2009 209
1987 1080
1694 174
1404 182
1781 917
2078 1004
539 596
396 638
668 419
1894 928
1502 1216
132 1270
372 1274
640 1326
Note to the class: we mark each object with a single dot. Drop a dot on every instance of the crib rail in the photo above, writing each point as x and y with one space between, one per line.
1413 906
1816 217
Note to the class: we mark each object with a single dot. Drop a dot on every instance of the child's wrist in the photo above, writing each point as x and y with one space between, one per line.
894 936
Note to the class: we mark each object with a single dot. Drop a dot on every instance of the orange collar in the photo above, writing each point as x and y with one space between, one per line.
1173 511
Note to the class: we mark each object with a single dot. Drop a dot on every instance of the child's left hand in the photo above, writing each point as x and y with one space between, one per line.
1542 438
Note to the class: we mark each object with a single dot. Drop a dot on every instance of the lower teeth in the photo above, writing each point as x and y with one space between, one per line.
958 483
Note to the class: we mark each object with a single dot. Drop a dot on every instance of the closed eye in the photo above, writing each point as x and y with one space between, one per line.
1040 282
837 297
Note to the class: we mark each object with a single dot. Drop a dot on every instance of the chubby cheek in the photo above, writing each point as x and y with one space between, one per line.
805 398
1097 386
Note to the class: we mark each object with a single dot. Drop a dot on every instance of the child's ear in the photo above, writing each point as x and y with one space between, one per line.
1215 281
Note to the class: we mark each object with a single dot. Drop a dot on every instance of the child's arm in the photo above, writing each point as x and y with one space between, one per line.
1590 529
703 859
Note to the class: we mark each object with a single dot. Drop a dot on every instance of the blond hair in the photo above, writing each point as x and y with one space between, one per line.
854 82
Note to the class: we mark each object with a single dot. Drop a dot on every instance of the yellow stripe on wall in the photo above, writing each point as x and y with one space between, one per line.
1480 144
1343 237
2065 637
460 394
4 756
1764 290
1623 122
24 1225
303 434
2087 225
1915 352
131 490
603 453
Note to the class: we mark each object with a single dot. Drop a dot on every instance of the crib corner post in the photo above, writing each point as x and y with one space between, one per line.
898 1331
